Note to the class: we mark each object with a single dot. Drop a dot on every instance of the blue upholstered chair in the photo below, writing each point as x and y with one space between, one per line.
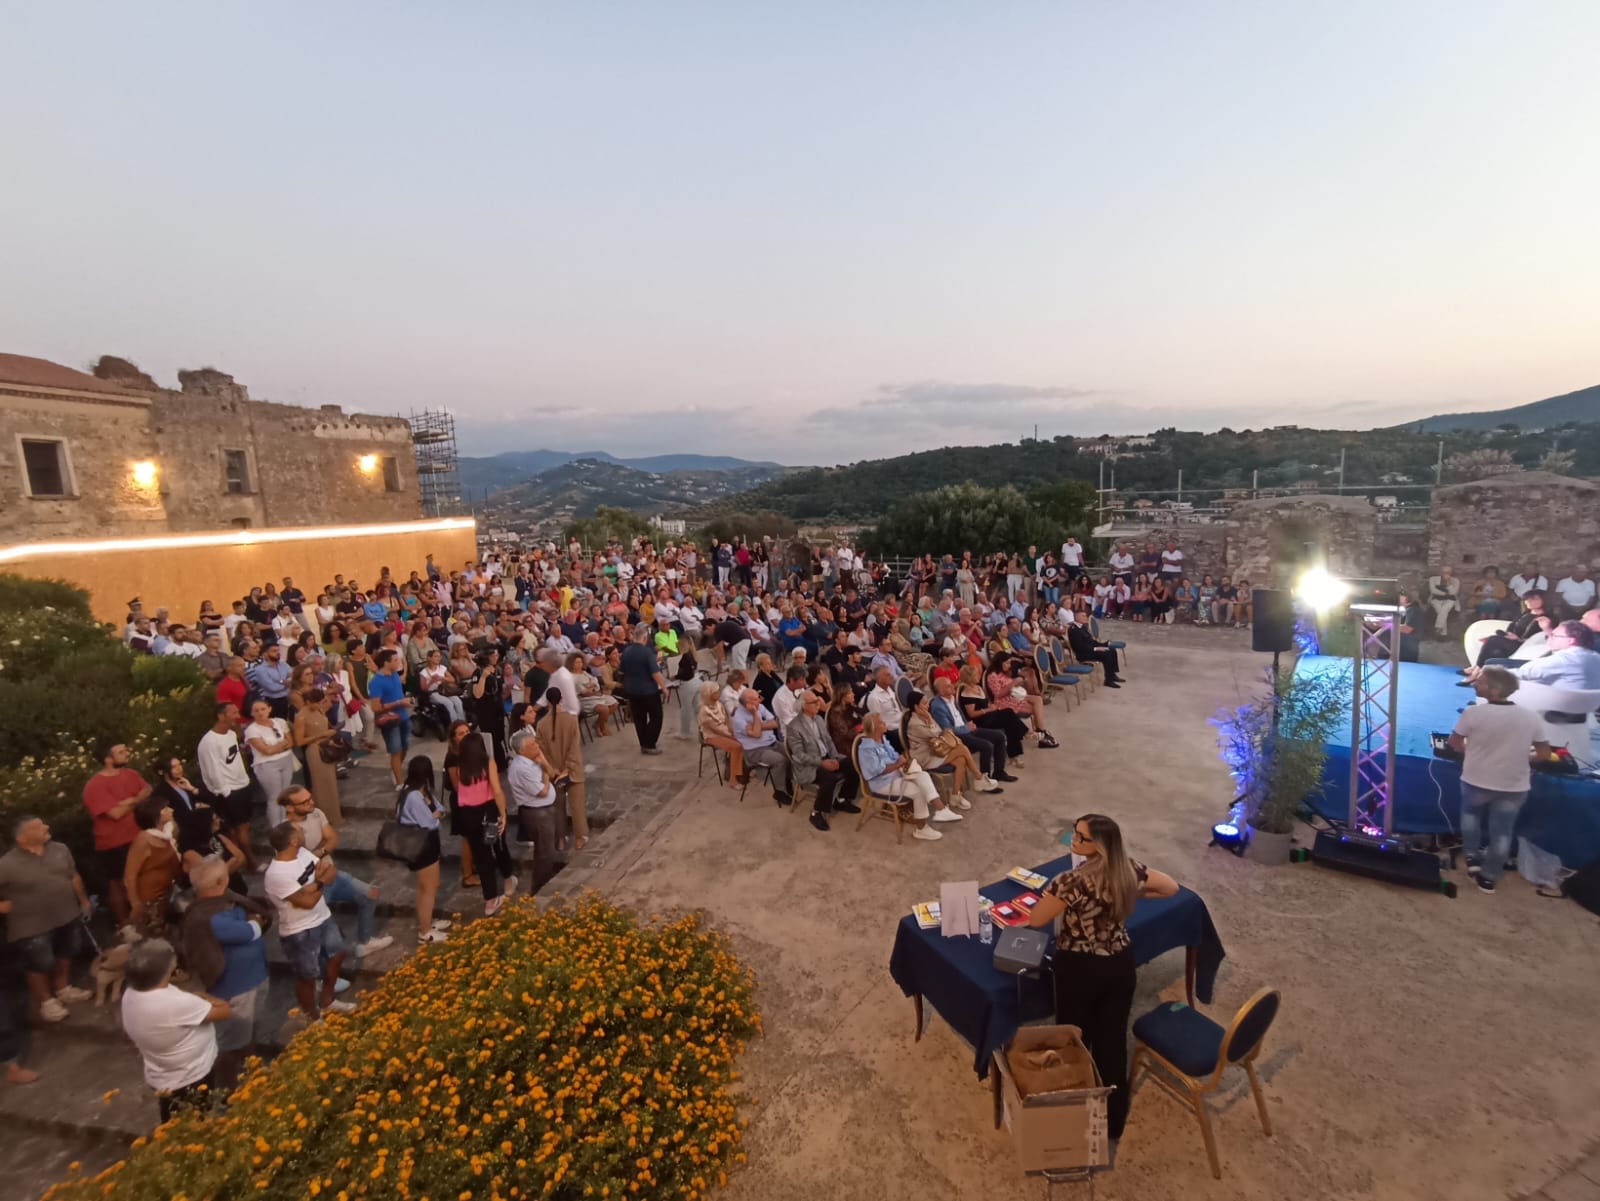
1114 644
1062 654
1055 676
903 688
1186 1053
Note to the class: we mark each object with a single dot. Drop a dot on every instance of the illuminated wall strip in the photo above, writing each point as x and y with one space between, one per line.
30 550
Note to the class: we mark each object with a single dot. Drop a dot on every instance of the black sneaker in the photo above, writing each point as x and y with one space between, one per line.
846 807
783 798
1484 885
818 821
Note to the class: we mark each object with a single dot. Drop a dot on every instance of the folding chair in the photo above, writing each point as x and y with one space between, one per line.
878 804
1186 1053
1052 677
700 767
1114 644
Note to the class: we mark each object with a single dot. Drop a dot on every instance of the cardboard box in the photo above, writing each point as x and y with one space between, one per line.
1059 1130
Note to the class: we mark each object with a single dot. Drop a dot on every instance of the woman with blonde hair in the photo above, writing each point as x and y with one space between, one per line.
1095 976
932 748
716 731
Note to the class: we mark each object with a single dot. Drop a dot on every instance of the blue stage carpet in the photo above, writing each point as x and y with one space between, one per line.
1562 814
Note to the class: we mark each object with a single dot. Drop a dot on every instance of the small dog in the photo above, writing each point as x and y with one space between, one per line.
111 965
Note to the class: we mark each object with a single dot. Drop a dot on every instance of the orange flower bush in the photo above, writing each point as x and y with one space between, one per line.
573 1053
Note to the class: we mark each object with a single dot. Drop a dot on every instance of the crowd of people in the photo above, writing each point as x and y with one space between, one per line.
838 683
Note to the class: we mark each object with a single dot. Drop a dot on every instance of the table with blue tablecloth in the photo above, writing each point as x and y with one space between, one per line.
985 1006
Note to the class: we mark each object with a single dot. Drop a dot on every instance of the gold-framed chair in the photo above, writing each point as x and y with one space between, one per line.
878 804
796 789
1186 1053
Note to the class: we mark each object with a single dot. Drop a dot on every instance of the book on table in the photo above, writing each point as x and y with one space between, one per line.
1027 878
1014 912
927 915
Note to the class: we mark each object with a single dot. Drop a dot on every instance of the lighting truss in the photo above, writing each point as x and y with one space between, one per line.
1372 719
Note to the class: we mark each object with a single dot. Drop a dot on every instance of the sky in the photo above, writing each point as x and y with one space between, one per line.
817 232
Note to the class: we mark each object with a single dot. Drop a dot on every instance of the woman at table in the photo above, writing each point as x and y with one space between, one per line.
1094 970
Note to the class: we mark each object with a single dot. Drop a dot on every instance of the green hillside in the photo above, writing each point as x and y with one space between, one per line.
1581 406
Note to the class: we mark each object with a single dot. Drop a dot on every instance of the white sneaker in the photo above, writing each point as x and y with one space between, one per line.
432 936
961 802
442 923
341 1006
340 985
927 835
511 885
52 1010
70 994
363 949
946 815
987 784
492 907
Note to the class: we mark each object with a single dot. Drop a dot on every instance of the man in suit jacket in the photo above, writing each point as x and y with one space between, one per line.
988 747
563 746
816 759
1086 648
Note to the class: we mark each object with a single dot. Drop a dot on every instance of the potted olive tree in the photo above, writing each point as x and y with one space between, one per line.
1275 746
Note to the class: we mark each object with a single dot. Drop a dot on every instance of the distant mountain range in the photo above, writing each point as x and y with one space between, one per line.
1581 406
575 489
490 474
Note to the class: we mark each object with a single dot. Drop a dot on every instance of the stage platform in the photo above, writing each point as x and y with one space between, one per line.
1562 814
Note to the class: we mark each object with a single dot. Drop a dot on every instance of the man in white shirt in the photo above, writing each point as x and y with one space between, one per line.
172 1028
320 837
789 701
692 620
1072 557
561 677
1495 740
1576 591
1171 563
223 773
1530 579
883 701
294 883
1122 563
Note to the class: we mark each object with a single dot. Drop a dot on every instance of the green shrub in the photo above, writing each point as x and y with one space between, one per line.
23 594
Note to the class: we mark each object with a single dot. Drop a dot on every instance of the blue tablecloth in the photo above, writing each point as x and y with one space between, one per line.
958 978
1562 813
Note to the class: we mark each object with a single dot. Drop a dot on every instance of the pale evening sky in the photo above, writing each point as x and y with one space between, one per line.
813 232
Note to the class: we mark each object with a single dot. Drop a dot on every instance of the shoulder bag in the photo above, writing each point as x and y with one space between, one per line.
400 842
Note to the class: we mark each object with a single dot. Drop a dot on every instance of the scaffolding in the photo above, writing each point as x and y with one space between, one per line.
433 438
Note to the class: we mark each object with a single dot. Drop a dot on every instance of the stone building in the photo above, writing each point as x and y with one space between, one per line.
1271 541
85 456
1516 520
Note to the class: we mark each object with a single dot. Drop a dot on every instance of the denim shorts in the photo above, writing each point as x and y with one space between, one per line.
397 737
39 953
245 1026
308 952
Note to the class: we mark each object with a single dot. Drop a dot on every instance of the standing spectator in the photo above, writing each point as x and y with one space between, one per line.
172 784
1072 558
1444 598
1576 591
313 731
271 680
482 805
1149 562
43 899
294 883
212 660
1171 564
1122 564
224 948
171 1028
1495 740
1095 980
271 754
817 761
223 773
391 709
233 688
153 866
457 734
563 745
420 809
533 796
757 731
13 1021
643 687
110 796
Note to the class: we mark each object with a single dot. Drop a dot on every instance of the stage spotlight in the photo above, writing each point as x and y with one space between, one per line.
1320 590
1230 837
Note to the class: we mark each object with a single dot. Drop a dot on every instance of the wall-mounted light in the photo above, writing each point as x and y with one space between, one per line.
368 463
144 473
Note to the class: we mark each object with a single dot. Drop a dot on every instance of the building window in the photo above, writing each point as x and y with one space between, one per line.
46 463
391 473
236 472
240 523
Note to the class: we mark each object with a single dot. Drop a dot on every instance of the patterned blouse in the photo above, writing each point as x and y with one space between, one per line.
1087 925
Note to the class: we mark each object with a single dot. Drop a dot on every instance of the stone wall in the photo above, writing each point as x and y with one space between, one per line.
1513 521
1272 540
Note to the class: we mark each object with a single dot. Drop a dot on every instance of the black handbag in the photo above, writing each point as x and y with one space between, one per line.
400 842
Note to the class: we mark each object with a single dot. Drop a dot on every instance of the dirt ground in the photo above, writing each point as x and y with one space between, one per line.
1427 1047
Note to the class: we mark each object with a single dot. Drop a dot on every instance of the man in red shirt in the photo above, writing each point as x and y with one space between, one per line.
110 796
233 688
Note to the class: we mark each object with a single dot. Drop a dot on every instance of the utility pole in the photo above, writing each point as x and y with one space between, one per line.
1438 467
1180 484
1255 483
1341 471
